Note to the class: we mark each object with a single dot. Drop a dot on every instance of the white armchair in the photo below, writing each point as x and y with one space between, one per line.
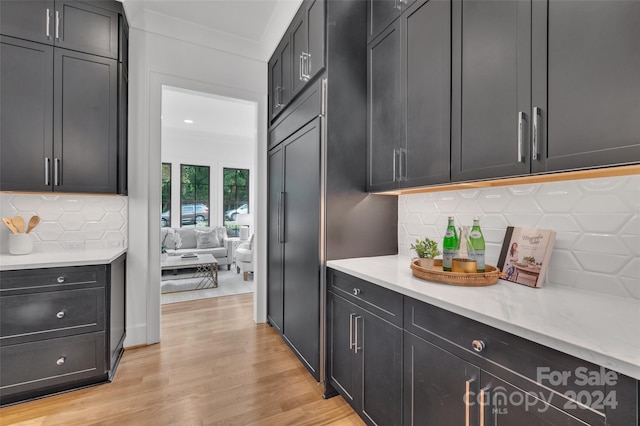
244 257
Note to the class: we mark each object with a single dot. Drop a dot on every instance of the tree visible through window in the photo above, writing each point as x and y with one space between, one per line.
194 195
236 197
165 220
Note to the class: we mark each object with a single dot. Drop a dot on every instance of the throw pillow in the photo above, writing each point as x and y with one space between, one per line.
206 238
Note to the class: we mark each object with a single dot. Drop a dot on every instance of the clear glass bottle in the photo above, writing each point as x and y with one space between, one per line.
475 245
450 245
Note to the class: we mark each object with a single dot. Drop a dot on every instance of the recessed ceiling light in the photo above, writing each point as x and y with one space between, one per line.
188 121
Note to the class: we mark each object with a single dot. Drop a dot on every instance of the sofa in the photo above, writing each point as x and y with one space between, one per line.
200 240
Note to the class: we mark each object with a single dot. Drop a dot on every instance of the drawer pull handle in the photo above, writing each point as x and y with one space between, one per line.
60 279
60 314
356 291
478 345
61 360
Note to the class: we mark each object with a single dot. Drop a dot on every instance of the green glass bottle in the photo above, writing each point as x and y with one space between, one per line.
450 245
475 246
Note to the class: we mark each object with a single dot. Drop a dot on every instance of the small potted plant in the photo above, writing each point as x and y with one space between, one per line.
426 250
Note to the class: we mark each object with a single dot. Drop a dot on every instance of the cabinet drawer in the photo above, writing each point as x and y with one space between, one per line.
537 363
36 280
38 365
28 317
378 300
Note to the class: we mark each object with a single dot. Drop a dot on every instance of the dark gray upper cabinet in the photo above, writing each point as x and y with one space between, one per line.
28 19
384 106
300 56
491 92
586 84
64 120
381 13
409 99
26 122
86 144
74 25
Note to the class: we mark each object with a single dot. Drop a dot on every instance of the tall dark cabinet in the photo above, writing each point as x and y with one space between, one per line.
317 205
63 96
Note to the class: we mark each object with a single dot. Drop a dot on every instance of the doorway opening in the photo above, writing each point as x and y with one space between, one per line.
208 155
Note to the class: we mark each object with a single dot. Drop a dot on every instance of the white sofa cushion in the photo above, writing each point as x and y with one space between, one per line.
206 238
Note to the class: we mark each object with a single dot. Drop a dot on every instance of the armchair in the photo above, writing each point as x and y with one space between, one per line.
244 257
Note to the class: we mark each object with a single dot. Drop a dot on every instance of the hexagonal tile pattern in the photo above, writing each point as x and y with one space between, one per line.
597 223
69 219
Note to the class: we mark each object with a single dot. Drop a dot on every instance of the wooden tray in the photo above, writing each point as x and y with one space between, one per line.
436 274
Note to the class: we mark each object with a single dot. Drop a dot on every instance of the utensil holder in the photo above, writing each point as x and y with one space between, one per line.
20 244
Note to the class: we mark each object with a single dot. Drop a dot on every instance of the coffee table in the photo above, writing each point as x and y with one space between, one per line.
206 268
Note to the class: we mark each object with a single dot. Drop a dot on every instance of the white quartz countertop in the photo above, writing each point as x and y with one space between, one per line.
50 259
601 329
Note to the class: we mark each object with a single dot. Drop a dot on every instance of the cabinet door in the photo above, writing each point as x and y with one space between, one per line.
384 103
117 312
275 84
275 294
586 83
315 37
26 122
379 356
301 245
299 46
491 88
86 28
427 90
86 108
502 404
381 13
123 129
28 19
340 335
436 385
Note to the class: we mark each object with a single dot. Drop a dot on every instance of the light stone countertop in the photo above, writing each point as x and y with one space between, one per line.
36 259
598 328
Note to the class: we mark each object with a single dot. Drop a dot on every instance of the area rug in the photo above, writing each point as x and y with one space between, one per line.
181 287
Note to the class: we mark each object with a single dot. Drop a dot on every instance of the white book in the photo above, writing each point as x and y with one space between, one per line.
525 255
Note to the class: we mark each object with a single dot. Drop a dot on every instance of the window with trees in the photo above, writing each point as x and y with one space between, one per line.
165 220
236 197
194 195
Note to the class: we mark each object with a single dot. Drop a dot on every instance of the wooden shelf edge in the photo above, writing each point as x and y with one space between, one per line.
521 180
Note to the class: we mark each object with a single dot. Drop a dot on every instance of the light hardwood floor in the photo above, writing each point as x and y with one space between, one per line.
214 366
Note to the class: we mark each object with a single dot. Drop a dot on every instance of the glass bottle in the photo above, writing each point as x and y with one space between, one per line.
450 245
475 245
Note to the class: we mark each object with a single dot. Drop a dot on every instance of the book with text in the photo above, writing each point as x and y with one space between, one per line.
525 255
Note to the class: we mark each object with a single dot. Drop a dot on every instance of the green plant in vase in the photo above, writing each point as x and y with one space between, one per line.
426 250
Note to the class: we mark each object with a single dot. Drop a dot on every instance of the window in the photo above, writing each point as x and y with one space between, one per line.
165 220
194 195
236 197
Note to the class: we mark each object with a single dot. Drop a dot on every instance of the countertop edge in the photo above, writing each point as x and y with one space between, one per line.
60 259
583 352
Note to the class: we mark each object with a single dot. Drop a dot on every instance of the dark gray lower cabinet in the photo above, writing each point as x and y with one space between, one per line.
365 363
60 328
398 360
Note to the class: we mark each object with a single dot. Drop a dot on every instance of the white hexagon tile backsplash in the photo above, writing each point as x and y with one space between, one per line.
71 222
597 222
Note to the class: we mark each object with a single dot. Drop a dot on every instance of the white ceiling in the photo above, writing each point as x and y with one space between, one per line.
249 28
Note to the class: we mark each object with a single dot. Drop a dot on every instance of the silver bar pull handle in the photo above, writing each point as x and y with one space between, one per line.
48 27
356 340
402 154
537 115
46 171
351 344
56 172
281 225
300 68
278 103
394 164
307 66
521 118
57 25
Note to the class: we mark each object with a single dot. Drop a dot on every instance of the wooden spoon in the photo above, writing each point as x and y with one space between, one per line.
18 222
9 224
33 222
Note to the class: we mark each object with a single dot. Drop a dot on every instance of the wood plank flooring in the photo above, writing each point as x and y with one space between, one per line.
214 366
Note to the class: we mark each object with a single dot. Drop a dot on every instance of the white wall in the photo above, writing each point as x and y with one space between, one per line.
157 60
597 222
